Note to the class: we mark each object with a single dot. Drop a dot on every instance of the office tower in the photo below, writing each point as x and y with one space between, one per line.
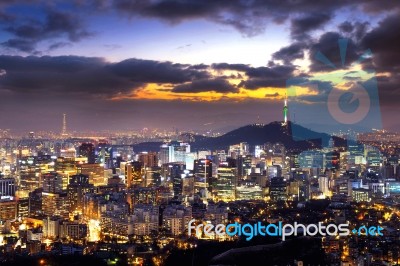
137 173
23 207
141 195
87 150
53 182
277 189
126 171
76 190
148 159
323 183
249 191
8 209
95 173
226 182
332 160
31 170
35 202
152 176
7 187
202 171
55 204
103 155
166 154
244 165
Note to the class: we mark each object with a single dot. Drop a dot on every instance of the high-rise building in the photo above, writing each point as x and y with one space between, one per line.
103 155
77 188
53 182
7 187
87 150
8 209
148 159
226 182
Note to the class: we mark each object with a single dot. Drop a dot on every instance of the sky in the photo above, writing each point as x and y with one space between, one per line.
201 64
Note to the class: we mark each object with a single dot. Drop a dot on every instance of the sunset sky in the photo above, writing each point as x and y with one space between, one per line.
203 64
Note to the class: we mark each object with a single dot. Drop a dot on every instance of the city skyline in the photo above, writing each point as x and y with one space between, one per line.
121 65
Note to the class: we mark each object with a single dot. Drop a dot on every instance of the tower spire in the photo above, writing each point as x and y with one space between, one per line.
285 111
64 126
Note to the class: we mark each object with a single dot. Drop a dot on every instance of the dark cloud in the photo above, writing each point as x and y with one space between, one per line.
217 84
226 66
384 41
328 46
92 76
58 45
156 72
303 25
275 76
20 44
289 53
56 24
248 17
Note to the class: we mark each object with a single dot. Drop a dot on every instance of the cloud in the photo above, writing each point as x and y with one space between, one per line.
157 72
91 76
248 17
56 24
328 45
205 85
290 53
301 26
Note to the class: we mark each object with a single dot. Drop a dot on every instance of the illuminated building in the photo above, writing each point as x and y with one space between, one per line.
249 191
31 170
176 218
323 182
95 173
148 159
166 154
393 188
278 189
145 219
226 182
22 207
77 188
35 202
103 153
51 227
53 183
87 150
361 195
216 214
73 230
175 174
312 159
244 164
7 187
55 204
140 196
152 176
202 170
8 209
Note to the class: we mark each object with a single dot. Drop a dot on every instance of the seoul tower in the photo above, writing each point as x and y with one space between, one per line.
285 111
